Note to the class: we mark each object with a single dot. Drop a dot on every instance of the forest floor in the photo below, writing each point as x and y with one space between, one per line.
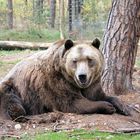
58 121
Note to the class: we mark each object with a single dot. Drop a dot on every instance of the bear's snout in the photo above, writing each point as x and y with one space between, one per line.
82 78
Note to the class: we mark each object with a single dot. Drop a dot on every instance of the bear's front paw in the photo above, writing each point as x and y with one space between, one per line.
11 106
123 109
15 110
120 107
106 108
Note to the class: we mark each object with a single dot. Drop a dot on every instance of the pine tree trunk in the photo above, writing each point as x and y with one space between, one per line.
120 46
78 18
33 6
52 12
70 14
10 14
39 8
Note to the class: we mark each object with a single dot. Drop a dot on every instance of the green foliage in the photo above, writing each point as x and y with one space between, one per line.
5 53
96 10
3 63
5 66
28 15
138 62
9 58
2 13
95 14
32 34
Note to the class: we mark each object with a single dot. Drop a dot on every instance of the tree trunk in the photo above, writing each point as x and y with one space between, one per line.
26 2
10 13
52 12
70 15
61 19
39 7
120 46
78 18
33 2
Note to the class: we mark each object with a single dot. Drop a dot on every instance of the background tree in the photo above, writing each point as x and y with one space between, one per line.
10 14
26 2
33 7
52 12
75 18
78 17
70 14
84 18
120 46
61 18
39 9
39 5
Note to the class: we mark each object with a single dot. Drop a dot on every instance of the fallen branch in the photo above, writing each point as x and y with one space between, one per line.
9 136
21 45
22 119
129 130
136 109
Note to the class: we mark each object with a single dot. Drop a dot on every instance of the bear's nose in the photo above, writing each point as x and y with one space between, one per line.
83 78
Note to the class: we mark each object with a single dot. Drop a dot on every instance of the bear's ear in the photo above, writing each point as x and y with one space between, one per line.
96 43
68 44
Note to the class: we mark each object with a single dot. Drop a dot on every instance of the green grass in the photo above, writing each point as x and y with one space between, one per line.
9 58
79 135
5 66
14 52
138 63
3 63
32 34
8 53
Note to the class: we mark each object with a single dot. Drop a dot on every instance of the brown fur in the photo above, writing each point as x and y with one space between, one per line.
41 84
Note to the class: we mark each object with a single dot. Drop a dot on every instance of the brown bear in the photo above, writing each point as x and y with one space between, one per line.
65 77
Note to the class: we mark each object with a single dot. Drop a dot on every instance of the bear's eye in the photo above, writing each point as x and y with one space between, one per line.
74 61
91 62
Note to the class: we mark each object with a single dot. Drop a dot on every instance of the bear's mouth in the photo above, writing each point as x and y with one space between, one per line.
82 83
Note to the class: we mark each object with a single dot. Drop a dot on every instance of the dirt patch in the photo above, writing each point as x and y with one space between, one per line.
57 121
16 56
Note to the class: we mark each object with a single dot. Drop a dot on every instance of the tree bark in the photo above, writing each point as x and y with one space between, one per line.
120 46
70 15
10 13
39 7
78 18
33 6
52 12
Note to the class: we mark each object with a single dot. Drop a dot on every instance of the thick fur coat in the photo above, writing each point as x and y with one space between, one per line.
43 83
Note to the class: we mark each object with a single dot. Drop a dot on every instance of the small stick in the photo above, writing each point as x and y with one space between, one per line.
8 135
136 109
21 117
129 130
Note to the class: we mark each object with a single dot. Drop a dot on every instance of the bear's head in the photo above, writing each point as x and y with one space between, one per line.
83 62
